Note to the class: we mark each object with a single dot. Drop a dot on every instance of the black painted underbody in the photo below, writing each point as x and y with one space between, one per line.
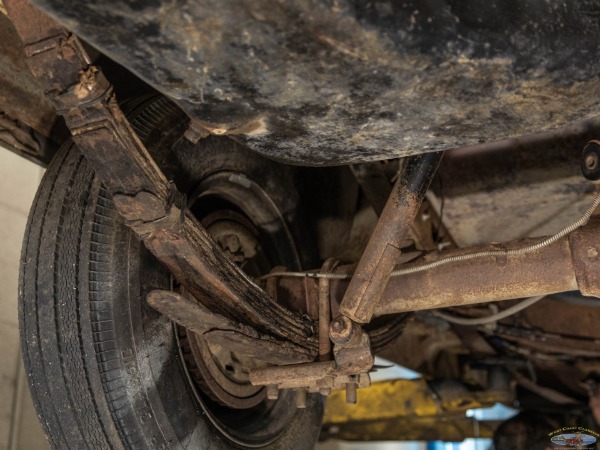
325 82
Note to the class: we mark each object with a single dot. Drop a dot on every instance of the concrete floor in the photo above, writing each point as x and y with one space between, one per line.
19 426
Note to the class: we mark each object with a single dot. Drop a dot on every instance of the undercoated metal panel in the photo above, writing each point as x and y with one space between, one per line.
336 81
21 95
501 191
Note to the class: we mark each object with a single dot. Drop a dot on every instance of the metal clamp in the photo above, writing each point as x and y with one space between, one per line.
145 213
321 377
349 369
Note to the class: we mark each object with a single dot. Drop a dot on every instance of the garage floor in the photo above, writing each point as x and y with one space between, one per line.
19 427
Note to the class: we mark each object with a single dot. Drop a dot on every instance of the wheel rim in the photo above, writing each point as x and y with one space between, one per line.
245 221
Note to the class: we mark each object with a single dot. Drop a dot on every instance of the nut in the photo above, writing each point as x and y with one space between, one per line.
591 161
341 330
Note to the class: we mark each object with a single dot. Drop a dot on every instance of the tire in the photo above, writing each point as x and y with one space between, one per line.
104 369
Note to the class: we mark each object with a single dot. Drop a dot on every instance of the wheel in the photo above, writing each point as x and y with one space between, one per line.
105 370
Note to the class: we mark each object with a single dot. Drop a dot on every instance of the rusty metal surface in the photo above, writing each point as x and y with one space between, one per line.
14 135
547 343
428 348
383 333
261 347
316 81
298 376
25 141
427 230
190 313
383 250
564 318
349 370
325 312
547 271
566 376
320 377
174 238
363 224
297 295
586 256
101 131
352 354
21 95
523 187
554 342
225 332
590 161
473 340
229 385
551 394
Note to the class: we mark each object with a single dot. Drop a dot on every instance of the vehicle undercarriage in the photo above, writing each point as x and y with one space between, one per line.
317 180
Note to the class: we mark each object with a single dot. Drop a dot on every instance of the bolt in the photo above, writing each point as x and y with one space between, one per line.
272 392
325 391
501 260
341 330
337 325
591 161
301 395
351 388
231 242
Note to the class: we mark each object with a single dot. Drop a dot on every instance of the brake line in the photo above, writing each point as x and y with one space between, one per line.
491 318
451 259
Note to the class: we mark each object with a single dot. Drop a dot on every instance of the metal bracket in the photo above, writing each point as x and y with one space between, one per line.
349 370
321 377
383 250
221 330
145 213
352 350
